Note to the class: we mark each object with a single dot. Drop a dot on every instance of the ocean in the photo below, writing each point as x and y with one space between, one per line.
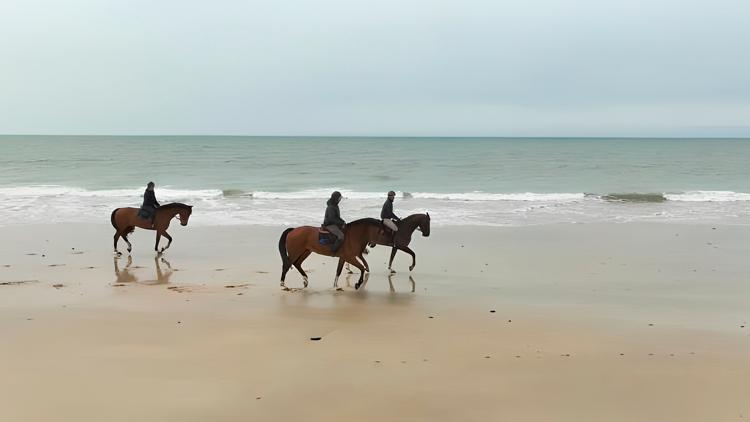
459 181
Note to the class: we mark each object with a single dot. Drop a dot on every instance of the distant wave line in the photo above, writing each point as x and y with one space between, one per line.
167 192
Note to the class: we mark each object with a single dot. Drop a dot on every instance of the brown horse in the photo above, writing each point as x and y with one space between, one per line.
125 220
296 244
406 228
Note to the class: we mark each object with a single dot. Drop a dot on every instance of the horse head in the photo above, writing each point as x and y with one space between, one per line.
184 214
424 224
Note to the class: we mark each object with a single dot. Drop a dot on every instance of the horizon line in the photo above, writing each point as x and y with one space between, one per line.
378 136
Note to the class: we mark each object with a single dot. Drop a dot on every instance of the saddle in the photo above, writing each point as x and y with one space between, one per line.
145 213
325 237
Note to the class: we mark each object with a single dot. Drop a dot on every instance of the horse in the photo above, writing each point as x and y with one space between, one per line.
403 236
296 244
125 220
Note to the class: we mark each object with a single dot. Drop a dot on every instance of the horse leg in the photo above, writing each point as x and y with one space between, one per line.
298 265
117 237
284 269
169 238
349 269
291 261
364 262
125 238
353 261
390 263
158 238
339 267
413 256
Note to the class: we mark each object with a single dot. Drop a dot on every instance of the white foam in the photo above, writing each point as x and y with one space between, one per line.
53 204
56 190
708 196
484 196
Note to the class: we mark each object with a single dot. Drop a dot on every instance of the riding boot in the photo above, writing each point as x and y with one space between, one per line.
336 245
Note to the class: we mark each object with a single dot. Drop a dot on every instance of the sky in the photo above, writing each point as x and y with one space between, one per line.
376 68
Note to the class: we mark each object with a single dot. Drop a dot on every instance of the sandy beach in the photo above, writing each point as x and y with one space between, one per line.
616 322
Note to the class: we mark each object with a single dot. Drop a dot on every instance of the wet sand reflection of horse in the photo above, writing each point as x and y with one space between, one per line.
125 275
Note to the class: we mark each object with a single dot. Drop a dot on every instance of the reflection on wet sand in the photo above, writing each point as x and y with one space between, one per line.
411 281
125 275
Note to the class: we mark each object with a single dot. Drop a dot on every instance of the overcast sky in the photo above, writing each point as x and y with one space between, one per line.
376 67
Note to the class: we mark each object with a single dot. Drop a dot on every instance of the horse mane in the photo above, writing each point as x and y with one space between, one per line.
177 205
413 216
373 221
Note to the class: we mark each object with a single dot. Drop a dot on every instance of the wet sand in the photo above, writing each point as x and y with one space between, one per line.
625 322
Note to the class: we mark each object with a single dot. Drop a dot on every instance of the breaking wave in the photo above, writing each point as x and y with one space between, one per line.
50 203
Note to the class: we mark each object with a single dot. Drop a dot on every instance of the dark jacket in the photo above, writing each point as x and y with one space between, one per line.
149 200
333 215
387 211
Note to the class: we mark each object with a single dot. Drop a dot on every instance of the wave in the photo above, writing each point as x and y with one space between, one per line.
229 193
634 197
182 195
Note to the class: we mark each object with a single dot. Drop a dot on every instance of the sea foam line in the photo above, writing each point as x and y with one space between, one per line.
170 193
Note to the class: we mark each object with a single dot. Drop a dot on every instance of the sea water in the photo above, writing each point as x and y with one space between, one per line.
459 181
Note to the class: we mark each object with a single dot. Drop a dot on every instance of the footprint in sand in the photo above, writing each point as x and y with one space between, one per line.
56 265
219 269
180 289
235 286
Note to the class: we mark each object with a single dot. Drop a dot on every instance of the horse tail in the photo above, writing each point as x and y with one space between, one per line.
112 218
282 248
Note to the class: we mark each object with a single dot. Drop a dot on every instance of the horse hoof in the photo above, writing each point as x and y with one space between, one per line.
357 285
411 268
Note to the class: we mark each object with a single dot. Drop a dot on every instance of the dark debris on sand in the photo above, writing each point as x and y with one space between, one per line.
15 283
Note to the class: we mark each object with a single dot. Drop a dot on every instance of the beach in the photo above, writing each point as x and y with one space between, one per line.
580 322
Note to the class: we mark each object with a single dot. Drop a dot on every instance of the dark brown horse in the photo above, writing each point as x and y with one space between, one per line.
125 220
406 228
296 244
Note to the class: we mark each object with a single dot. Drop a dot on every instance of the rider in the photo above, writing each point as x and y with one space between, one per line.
149 202
389 218
333 221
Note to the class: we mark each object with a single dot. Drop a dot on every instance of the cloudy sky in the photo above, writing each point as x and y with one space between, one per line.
385 67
